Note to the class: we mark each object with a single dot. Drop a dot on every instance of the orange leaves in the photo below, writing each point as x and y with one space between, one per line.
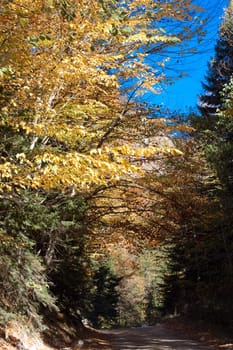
7 241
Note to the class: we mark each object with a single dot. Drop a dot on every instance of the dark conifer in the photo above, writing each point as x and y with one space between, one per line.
220 70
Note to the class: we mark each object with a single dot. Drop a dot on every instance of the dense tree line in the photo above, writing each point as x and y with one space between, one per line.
208 279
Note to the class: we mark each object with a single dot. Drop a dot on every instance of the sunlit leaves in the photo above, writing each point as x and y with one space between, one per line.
61 68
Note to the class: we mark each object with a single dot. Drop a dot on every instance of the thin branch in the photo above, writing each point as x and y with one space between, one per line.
118 120
3 42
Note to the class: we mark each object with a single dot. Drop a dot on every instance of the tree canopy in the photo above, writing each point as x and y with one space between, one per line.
62 63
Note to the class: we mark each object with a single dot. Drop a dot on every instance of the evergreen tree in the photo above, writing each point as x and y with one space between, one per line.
215 129
219 71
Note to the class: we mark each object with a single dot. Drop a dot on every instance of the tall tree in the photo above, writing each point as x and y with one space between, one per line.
215 130
219 71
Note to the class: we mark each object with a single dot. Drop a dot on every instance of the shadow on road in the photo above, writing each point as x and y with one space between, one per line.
151 338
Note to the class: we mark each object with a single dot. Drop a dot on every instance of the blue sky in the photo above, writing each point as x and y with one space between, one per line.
183 94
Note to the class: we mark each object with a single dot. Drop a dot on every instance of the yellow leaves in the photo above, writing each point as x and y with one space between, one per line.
124 149
23 21
152 152
134 152
7 241
64 97
149 85
59 170
109 81
185 128
21 157
7 170
135 4
44 43
95 151
144 38
72 26
109 26
174 152
137 38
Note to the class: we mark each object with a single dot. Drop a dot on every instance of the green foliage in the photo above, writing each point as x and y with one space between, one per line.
155 266
132 304
104 297
219 72
35 228
215 257
222 155
71 274
24 287
128 290
209 266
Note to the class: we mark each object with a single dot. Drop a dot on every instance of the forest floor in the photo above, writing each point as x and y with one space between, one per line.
173 334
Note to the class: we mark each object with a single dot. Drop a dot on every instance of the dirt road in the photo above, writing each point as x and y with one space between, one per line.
151 338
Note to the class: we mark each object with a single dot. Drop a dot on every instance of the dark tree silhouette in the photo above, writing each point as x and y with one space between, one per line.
220 70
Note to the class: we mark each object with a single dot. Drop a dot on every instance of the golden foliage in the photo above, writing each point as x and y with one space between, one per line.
61 62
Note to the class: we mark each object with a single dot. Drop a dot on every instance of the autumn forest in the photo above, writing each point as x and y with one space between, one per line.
110 211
